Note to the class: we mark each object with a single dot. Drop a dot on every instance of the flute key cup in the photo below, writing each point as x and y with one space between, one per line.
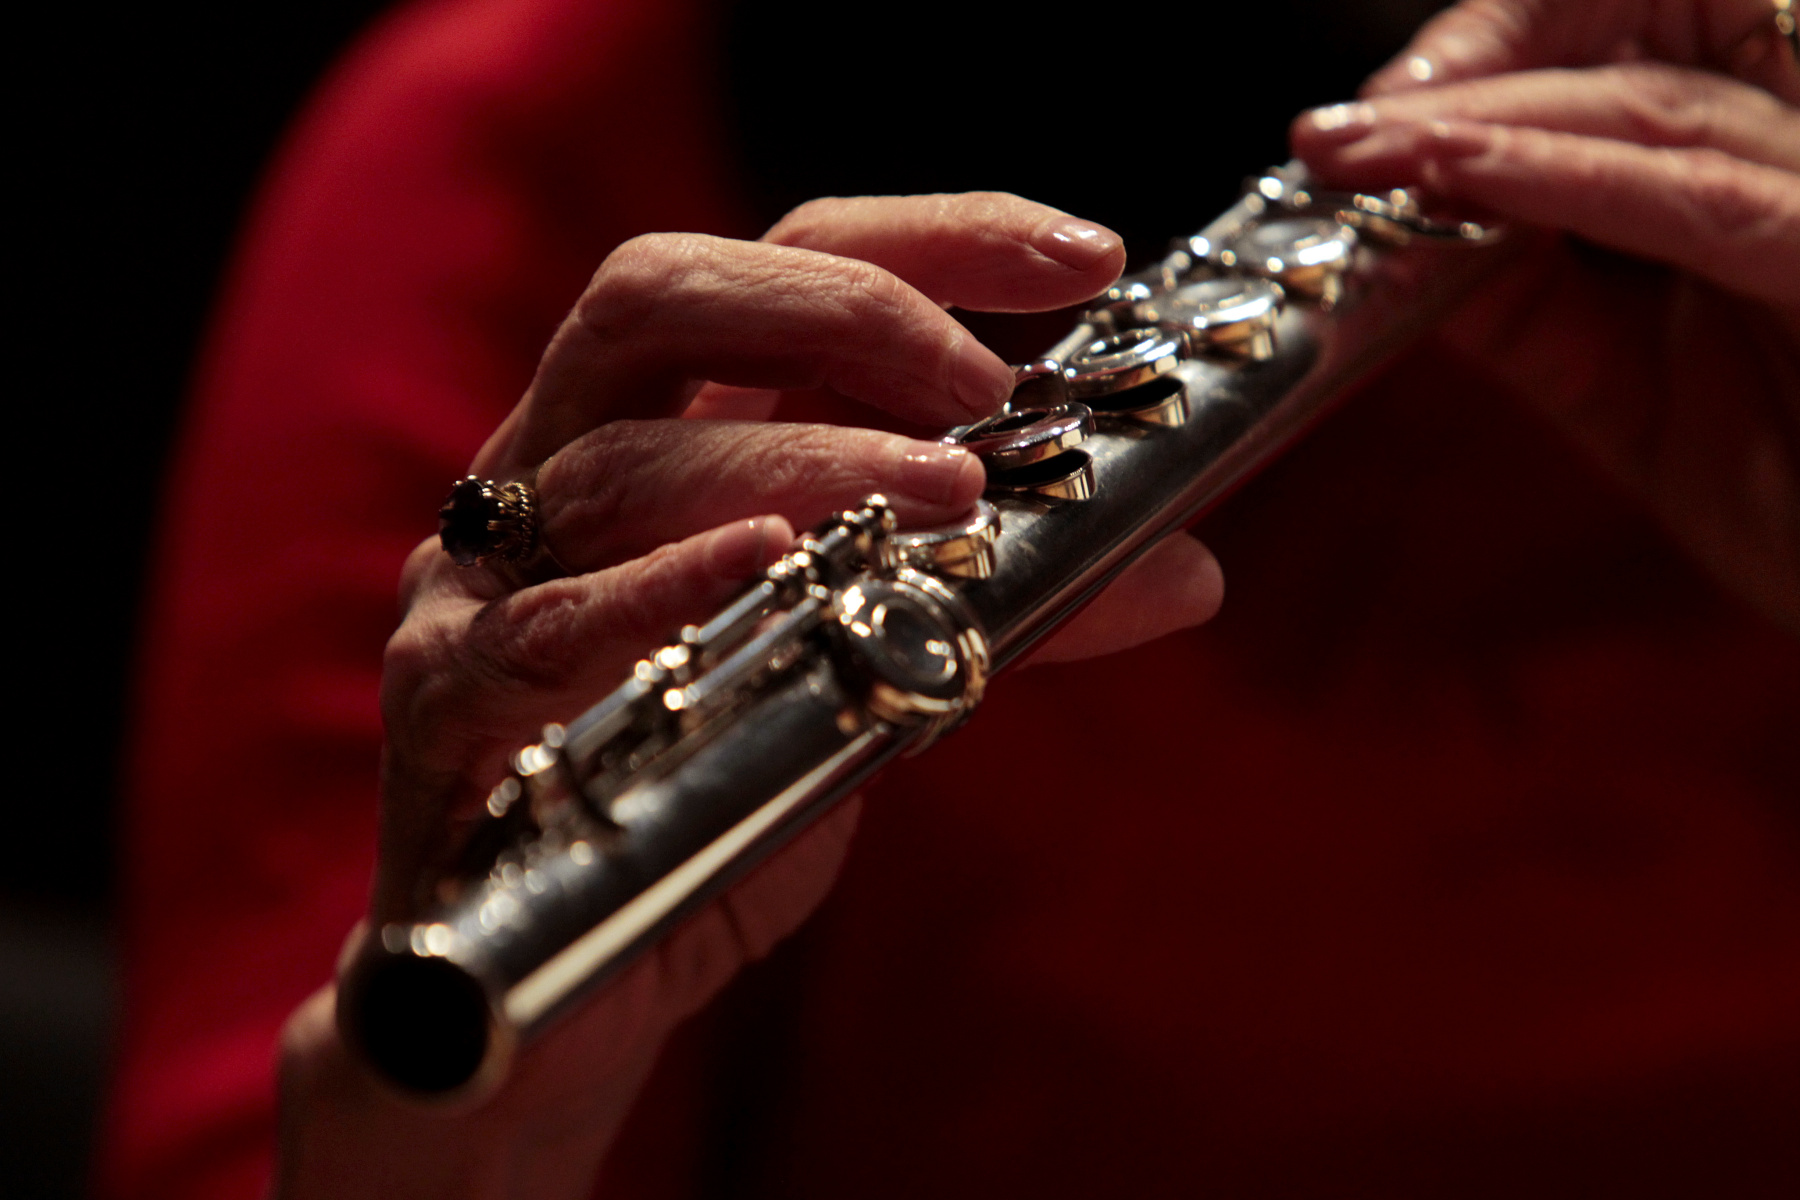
1018 438
963 548
1161 403
1232 316
1123 360
1305 255
1068 476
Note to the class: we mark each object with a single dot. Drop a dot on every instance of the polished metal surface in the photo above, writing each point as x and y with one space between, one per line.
1228 314
1308 256
1019 437
1066 477
1123 360
913 640
1160 402
962 548
865 641
482 521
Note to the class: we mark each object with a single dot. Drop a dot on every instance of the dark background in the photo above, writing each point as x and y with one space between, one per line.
139 138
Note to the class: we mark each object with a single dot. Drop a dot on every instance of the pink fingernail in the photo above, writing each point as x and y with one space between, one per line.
982 382
1456 139
938 474
1343 122
1403 75
742 548
1074 243
1413 141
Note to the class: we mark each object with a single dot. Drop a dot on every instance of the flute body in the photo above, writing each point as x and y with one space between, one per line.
866 641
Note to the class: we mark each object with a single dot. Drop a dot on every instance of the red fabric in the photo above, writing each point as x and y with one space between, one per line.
1461 855
435 213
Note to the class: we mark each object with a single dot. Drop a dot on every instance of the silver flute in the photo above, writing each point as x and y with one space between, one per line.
866 641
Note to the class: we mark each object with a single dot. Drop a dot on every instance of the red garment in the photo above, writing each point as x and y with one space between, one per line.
1461 855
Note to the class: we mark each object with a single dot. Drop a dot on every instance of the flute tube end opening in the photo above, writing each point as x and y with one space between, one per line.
424 1024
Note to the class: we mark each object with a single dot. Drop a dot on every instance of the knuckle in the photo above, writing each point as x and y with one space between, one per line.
638 278
416 571
994 221
408 655
779 469
1720 198
803 470
867 293
419 680
1665 105
586 482
524 641
820 467
638 609
999 209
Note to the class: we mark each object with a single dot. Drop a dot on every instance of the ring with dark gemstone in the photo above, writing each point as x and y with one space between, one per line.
483 523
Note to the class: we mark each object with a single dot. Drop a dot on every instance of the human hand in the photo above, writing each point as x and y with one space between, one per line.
839 311
659 521
711 327
1674 360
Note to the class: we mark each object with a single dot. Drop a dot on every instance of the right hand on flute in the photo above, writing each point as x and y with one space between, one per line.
1660 327
660 521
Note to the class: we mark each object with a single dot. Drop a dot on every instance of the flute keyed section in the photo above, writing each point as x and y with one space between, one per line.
866 641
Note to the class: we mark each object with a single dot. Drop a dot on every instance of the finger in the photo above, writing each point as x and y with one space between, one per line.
465 683
1732 222
1649 104
541 653
1488 37
987 251
666 311
631 486
1175 584
716 402
769 903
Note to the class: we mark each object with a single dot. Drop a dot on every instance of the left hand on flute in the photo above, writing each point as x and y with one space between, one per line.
1661 327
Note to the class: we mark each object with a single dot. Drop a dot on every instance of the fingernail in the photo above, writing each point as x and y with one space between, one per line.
1402 75
938 474
1416 141
742 548
1074 243
1456 139
982 382
1343 122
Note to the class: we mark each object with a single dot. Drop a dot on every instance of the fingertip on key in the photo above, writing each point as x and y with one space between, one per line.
742 548
1076 244
1336 123
983 381
938 475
